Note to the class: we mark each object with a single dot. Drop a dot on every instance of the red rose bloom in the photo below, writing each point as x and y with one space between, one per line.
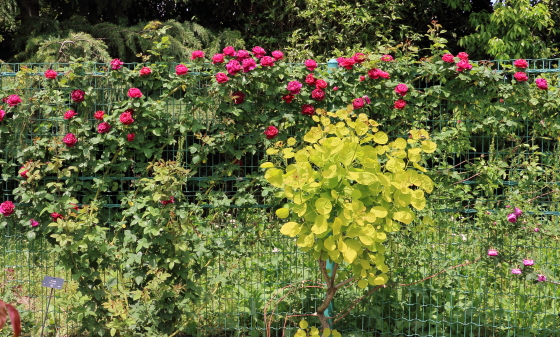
238 97
242 54
69 114
463 65
99 115
307 109
318 94
384 74
463 56
359 58
70 140
321 84
233 67
449 58
78 95
347 63
218 58
271 132
358 103
541 83
13 100
267 61
197 54
103 127
310 64
278 55
2 114
229 51
51 74
288 98
248 64
23 173
145 71
56 216
310 79
130 137
374 73
387 58
134 93
259 52
294 87
181 69
401 89
362 78
116 64
7 208
126 118
165 202
221 78
520 63
400 104
520 76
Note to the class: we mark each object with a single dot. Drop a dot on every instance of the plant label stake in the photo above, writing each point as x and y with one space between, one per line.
53 283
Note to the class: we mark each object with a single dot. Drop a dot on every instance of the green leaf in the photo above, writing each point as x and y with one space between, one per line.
282 213
290 229
323 206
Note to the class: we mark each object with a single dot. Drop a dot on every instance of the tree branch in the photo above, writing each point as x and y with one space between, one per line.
345 282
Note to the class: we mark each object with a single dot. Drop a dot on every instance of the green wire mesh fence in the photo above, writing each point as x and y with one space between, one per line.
268 278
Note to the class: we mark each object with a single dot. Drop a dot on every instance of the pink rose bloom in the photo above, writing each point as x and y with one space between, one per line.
242 54
78 95
55 216
116 64
400 104
13 100
359 58
307 109
70 140
520 63
233 67
288 98
278 55
449 58
310 64
218 58
541 278
294 87
221 78
99 115
347 63
520 76
517 211
511 218
181 69
145 71
541 83
33 223
318 94
362 78
310 79
248 64
7 208
51 74
401 89
134 93
321 84
366 99
387 58
374 73
103 127
463 65
126 118
165 202
23 174
516 271
267 61
229 51
130 137
69 114
358 103
335 88
528 262
384 74
238 97
271 132
259 52
508 206
463 56
2 114
492 252
197 54
536 229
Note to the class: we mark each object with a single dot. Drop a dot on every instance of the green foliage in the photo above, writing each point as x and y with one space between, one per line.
516 29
